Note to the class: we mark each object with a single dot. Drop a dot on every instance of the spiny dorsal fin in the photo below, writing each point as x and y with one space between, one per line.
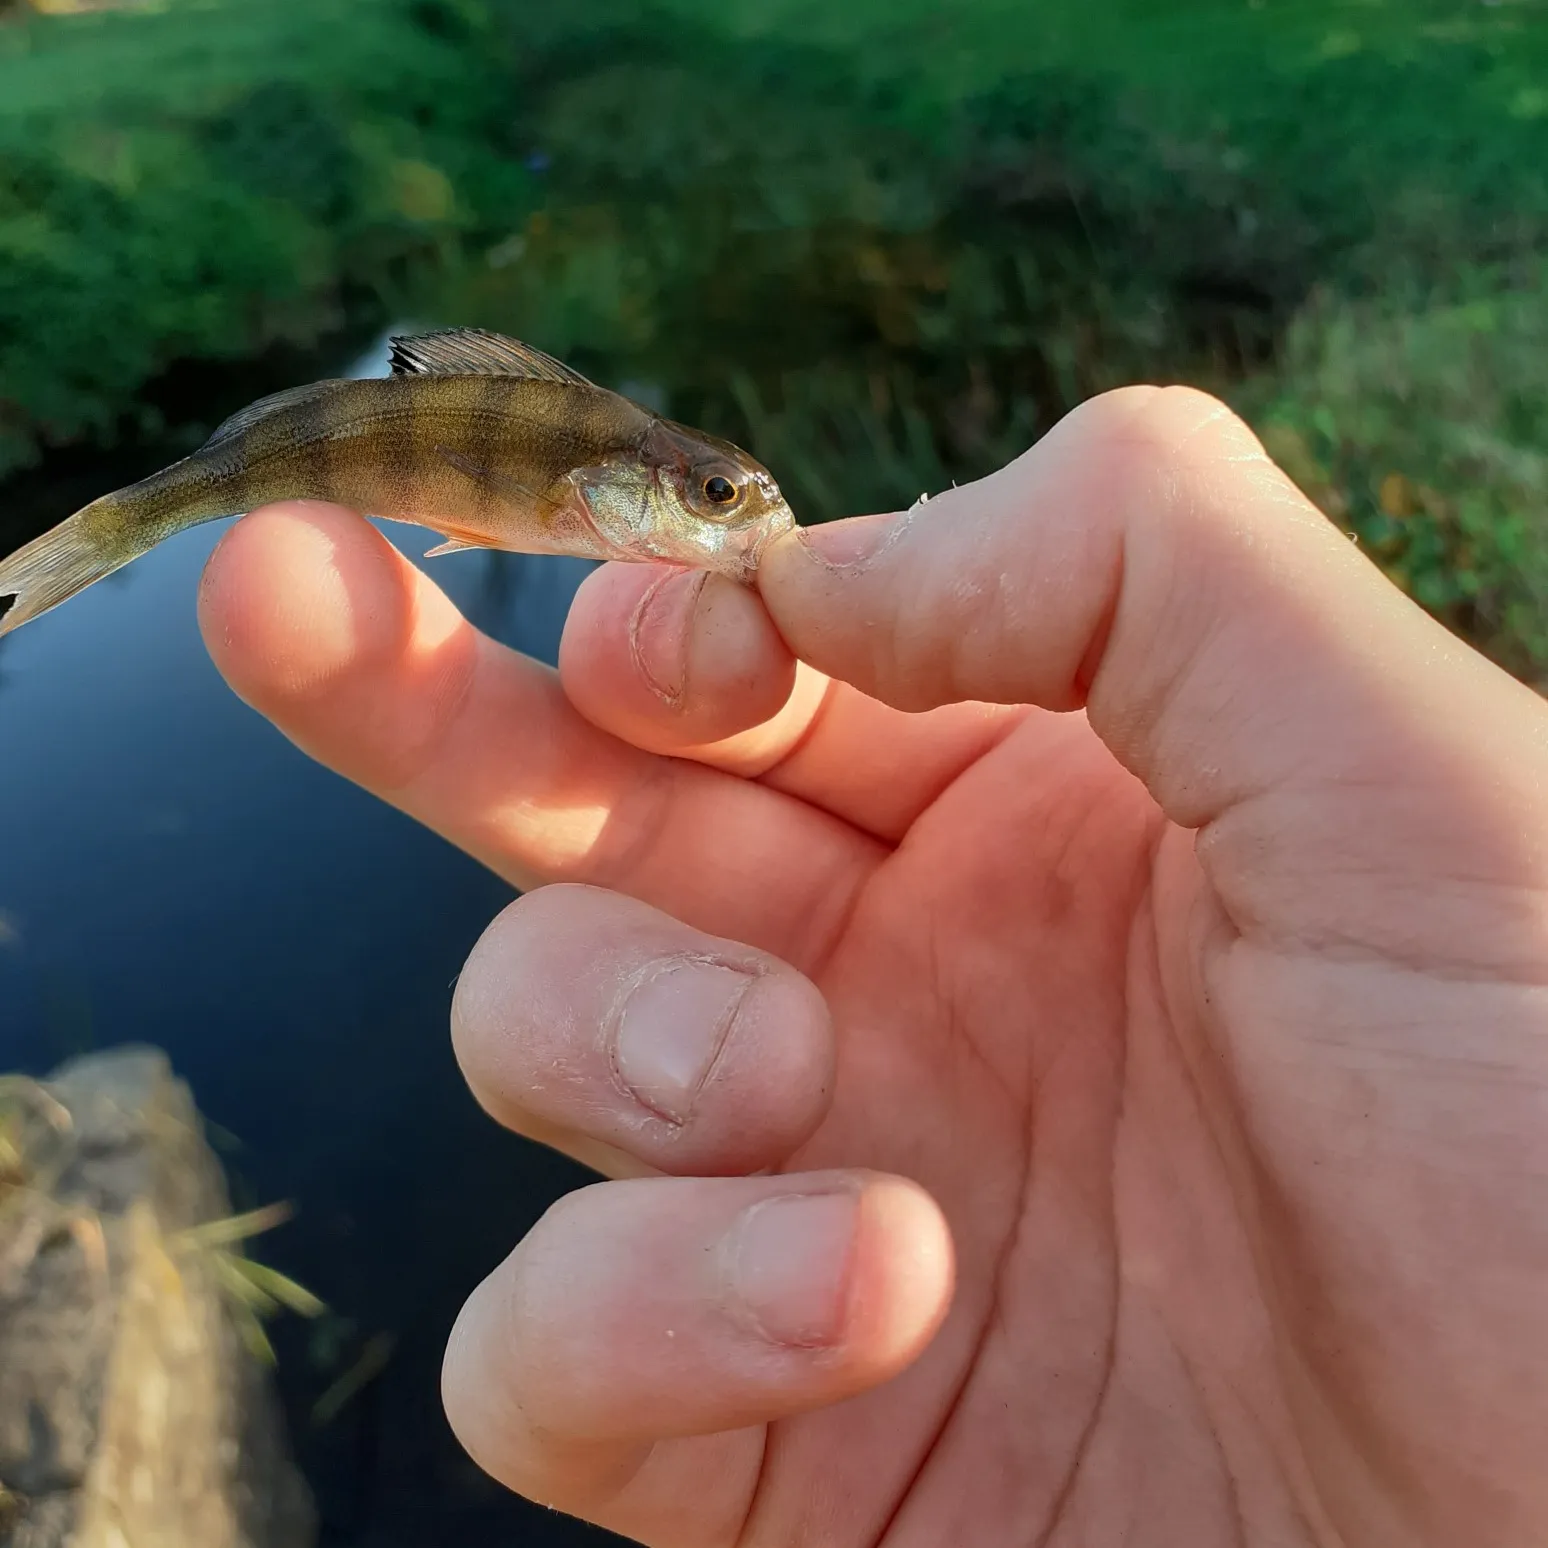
291 397
476 352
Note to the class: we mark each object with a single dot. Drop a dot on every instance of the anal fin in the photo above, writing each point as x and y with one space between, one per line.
452 545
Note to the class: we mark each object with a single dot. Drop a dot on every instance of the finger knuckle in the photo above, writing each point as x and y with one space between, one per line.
1175 424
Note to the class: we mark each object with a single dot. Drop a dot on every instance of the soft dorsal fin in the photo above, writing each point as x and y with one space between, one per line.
291 397
476 352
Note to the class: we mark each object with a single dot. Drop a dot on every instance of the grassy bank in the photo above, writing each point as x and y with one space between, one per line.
886 244
203 182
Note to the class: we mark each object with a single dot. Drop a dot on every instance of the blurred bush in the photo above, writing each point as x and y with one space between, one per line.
1421 425
885 243
204 181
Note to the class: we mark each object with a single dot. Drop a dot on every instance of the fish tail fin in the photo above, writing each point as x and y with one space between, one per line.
52 568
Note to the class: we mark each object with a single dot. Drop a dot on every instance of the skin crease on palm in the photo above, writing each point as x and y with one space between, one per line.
1069 1056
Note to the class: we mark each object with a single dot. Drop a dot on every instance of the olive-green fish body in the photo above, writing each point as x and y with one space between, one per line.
486 440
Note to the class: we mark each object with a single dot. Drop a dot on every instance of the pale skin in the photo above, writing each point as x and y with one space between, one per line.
1070 1057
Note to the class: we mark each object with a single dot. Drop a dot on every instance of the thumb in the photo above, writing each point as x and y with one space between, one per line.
1148 562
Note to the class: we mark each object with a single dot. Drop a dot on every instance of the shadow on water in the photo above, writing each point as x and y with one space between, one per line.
173 871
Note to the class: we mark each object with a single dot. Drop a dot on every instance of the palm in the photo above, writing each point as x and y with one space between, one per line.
1023 969
990 982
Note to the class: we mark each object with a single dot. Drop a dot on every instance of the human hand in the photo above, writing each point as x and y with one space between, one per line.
1118 1126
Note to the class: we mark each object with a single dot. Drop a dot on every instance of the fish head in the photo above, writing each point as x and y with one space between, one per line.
685 497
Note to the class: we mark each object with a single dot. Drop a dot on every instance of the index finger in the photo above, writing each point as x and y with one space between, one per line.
324 627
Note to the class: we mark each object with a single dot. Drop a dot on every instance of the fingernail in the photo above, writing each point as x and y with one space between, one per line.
788 1266
854 542
669 1029
660 629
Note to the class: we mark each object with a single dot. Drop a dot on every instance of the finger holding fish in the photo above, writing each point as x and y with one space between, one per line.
689 664
682 662
320 624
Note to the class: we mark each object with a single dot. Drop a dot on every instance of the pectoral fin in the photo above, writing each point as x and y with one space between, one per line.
536 523
501 483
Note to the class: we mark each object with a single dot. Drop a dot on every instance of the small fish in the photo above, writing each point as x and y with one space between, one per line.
489 441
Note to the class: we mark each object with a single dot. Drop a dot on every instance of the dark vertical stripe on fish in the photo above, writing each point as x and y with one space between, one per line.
485 436
378 477
378 471
404 446
230 465
313 420
420 431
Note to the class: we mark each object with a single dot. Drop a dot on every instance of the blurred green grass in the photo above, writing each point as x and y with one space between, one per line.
885 244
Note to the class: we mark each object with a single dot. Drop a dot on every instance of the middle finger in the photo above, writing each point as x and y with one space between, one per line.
604 1028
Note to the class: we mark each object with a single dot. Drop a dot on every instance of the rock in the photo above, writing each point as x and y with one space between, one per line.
132 1414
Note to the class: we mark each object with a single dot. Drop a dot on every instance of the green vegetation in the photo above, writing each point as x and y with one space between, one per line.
208 181
887 243
1422 426
253 1291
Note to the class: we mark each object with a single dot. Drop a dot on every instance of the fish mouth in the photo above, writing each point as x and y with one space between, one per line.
781 525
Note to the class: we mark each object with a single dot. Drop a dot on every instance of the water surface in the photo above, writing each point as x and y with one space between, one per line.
173 871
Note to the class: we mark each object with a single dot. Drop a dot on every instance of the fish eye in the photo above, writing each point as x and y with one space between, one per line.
717 492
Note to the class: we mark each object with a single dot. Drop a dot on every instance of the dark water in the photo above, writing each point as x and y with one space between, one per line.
172 871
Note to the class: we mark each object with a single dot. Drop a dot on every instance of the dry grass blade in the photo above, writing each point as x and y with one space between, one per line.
250 1331
253 1291
242 1289
371 1363
279 1287
235 1228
